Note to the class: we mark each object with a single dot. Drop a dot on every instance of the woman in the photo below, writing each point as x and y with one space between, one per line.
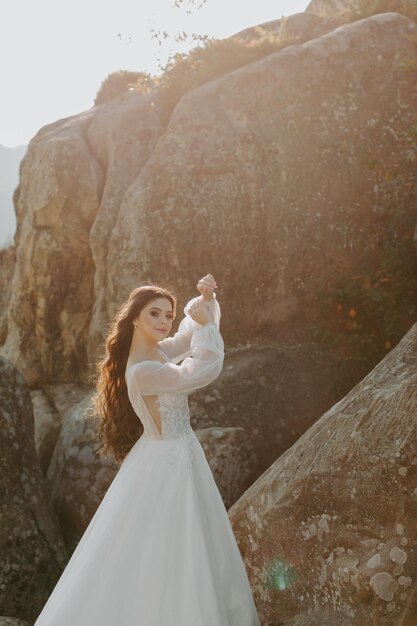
160 550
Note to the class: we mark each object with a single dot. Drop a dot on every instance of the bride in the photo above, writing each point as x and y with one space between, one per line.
160 549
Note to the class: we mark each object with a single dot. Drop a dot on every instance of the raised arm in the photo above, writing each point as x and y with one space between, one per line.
179 346
196 371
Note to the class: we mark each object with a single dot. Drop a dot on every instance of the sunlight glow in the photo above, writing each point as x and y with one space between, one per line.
58 54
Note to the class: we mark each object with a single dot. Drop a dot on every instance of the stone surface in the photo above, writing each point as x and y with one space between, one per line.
52 287
355 9
32 553
49 406
122 136
47 424
298 27
324 8
232 459
275 394
328 531
7 264
279 189
77 477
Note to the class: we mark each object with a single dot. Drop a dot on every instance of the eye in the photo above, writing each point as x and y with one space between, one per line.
170 316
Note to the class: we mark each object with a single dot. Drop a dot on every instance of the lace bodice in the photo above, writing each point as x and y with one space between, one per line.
203 349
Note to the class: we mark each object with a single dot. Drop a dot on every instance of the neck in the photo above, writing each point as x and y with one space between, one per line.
142 347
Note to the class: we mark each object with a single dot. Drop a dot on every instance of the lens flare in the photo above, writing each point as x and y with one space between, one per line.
279 574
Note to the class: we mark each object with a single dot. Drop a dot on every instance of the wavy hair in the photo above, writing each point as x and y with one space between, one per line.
119 426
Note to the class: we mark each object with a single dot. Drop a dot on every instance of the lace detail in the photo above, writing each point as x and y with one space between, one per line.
175 414
176 429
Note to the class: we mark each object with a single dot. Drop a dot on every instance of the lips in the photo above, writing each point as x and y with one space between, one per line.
162 330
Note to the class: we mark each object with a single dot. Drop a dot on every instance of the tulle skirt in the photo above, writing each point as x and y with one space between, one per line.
159 550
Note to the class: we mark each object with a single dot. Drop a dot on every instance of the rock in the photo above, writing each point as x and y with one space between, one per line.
7 264
298 28
52 289
232 460
275 394
356 9
287 191
326 8
328 531
64 396
122 136
246 170
32 553
12 621
49 405
78 478
72 180
47 424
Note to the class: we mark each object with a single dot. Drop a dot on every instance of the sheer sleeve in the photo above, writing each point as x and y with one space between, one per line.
179 346
198 370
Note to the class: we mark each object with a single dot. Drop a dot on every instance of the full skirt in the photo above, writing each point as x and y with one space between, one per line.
159 550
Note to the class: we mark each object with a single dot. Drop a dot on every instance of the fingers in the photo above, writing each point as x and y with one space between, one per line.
208 281
206 286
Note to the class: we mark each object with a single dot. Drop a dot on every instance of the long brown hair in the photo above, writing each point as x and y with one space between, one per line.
119 426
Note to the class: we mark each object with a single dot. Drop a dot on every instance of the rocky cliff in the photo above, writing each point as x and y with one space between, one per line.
291 178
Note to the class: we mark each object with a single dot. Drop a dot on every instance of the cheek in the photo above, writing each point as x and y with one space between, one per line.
147 319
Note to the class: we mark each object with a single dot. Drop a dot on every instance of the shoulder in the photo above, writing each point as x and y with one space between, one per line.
147 365
136 369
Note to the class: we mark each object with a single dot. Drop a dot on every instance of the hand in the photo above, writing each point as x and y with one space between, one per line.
206 286
200 311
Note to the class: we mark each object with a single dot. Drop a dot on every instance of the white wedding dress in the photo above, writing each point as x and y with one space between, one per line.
160 550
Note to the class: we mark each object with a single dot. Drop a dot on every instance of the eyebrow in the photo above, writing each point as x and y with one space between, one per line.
158 309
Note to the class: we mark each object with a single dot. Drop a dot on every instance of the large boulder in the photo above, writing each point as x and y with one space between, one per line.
349 10
51 291
72 180
7 264
47 426
293 29
49 406
32 552
328 532
232 459
78 478
122 136
274 394
295 171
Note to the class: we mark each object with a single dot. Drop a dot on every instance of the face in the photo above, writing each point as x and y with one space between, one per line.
156 318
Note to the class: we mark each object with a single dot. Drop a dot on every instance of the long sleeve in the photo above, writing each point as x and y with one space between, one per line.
198 370
179 346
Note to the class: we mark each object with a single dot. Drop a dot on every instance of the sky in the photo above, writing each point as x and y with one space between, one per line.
55 55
